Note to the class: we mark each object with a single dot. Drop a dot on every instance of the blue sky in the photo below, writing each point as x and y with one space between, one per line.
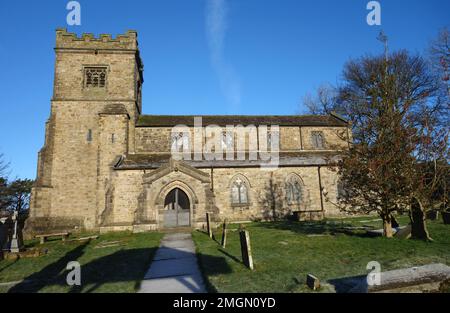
200 56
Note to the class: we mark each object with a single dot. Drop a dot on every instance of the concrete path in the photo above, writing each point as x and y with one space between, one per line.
174 268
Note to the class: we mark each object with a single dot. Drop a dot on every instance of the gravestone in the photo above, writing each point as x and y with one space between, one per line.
246 250
312 282
418 227
432 215
208 225
446 217
16 244
404 233
224 234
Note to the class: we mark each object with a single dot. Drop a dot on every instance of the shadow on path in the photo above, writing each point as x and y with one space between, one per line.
127 265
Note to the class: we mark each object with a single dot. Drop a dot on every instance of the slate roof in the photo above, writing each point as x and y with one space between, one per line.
223 120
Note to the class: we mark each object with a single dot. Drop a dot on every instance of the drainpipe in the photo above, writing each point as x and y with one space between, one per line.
212 179
320 188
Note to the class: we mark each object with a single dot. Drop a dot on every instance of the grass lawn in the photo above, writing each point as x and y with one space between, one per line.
117 268
285 252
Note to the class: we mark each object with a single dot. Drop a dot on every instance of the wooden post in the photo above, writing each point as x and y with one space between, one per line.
208 225
246 249
224 234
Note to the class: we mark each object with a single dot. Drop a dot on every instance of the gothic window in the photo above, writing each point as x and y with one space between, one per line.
294 191
239 192
318 140
95 77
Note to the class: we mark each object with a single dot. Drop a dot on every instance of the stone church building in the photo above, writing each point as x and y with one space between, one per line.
106 166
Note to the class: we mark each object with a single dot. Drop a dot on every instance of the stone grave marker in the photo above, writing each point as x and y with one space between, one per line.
312 282
208 225
224 234
246 248
404 233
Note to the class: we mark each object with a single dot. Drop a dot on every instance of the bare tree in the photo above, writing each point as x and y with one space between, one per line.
391 101
3 166
440 60
323 102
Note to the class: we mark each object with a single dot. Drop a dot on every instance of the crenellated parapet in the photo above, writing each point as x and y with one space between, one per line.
67 40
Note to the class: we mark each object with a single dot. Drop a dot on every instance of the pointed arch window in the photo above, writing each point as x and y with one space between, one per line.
239 192
294 190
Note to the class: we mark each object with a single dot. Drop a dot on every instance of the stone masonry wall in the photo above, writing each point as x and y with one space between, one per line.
158 139
264 186
77 157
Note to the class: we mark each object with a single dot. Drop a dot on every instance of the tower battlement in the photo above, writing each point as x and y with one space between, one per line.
67 40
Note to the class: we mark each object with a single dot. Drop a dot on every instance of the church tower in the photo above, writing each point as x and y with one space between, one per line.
95 105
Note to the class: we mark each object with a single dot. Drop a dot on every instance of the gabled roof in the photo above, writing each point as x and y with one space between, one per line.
223 120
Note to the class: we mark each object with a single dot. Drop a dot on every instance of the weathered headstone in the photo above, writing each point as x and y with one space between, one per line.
403 233
446 217
224 234
312 282
432 215
208 225
16 244
418 227
246 250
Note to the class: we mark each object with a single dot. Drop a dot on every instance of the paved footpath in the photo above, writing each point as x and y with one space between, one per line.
174 268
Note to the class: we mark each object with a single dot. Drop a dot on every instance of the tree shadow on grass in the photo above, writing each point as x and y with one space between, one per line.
235 259
49 274
210 266
316 228
127 265
353 284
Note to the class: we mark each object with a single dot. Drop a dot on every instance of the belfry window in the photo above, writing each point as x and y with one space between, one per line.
95 77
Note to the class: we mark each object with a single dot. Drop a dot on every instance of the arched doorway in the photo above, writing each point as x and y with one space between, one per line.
176 209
